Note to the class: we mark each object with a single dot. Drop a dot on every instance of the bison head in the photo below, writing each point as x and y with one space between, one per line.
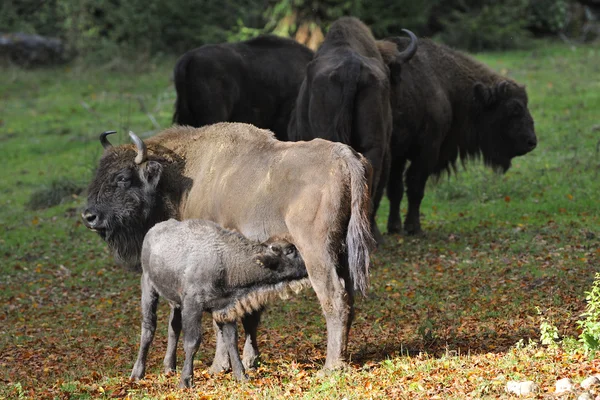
503 122
123 203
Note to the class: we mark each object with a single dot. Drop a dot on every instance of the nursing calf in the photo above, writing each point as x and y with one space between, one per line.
198 266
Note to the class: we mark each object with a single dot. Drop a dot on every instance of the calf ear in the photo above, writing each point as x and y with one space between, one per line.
151 173
483 95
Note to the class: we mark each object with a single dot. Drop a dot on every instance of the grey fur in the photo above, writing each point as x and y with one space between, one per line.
198 266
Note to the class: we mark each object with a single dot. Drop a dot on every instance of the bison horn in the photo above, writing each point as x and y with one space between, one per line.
142 152
104 141
411 49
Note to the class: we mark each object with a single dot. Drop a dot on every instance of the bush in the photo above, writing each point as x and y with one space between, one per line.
590 325
548 16
487 25
57 192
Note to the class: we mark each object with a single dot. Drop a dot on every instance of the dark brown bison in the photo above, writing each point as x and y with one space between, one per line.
313 194
446 106
345 96
255 81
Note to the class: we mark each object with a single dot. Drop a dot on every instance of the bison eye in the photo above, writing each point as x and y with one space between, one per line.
123 180
515 109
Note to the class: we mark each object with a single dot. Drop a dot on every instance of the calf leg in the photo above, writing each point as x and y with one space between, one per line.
191 316
149 305
250 322
170 361
395 191
416 178
221 361
230 339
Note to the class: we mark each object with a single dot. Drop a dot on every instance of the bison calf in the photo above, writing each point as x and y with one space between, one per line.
198 266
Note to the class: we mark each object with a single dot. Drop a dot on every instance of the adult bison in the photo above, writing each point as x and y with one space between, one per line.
313 194
255 81
345 96
447 106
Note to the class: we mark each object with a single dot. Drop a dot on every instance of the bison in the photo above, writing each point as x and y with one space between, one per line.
313 194
345 96
255 81
198 266
446 106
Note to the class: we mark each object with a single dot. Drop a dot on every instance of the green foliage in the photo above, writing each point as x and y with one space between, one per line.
548 332
388 18
590 325
486 25
548 16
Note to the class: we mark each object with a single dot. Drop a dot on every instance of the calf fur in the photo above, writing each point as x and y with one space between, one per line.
198 266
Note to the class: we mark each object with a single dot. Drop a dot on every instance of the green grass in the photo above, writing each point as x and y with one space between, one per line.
444 313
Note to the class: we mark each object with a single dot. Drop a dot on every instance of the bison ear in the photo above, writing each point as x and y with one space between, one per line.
483 95
151 173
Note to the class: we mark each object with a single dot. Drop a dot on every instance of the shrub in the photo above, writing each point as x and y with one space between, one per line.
57 192
590 325
487 25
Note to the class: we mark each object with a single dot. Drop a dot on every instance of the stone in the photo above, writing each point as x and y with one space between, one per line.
564 385
589 382
521 388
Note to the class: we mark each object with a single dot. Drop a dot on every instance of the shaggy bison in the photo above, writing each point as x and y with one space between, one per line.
255 81
198 266
313 194
345 96
446 106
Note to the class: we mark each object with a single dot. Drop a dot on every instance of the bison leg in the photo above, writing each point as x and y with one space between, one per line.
230 339
250 322
336 302
149 305
170 361
221 361
416 178
395 191
378 194
191 316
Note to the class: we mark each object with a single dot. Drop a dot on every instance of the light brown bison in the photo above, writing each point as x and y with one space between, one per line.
446 106
345 97
312 194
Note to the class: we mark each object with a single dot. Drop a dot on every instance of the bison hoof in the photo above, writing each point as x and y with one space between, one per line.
185 383
217 368
331 369
250 362
394 229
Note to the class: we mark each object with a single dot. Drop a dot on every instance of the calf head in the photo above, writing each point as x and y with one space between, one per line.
123 201
503 122
282 257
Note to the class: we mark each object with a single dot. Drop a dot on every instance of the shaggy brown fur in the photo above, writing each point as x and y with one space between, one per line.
345 97
254 81
447 106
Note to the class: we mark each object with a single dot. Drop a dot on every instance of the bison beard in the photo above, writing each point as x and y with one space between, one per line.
242 178
447 106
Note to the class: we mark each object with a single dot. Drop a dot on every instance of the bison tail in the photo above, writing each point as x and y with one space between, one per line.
359 239
348 75
183 114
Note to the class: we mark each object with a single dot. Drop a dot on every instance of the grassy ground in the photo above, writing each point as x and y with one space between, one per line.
453 314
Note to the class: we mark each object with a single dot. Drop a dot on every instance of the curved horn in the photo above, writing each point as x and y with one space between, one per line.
410 51
104 141
142 152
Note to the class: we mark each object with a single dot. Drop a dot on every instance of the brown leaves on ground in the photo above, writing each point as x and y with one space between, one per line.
441 321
